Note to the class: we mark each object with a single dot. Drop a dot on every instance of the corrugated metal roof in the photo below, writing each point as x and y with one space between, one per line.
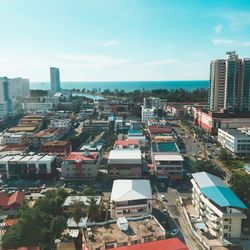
125 190
216 190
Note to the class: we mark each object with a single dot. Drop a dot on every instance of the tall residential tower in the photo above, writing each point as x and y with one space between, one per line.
229 84
55 80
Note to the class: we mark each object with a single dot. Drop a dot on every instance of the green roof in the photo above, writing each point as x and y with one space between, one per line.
164 147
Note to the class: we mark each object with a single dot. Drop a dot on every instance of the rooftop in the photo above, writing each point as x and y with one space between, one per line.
169 157
164 147
82 156
111 233
55 143
70 199
160 129
124 190
22 128
135 132
48 132
237 133
126 143
168 244
216 190
125 154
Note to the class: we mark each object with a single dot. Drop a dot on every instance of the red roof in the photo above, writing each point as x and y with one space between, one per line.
10 222
159 129
126 143
16 198
81 156
168 244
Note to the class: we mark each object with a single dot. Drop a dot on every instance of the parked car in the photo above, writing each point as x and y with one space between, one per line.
174 231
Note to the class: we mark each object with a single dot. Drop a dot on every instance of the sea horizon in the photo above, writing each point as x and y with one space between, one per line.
125 85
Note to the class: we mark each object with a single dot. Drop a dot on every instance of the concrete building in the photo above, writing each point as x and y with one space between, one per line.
147 113
229 83
22 166
60 123
125 163
218 207
137 135
167 160
151 102
14 138
177 111
81 165
59 148
235 140
130 198
124 232
211 121
92 147
55 80
126 144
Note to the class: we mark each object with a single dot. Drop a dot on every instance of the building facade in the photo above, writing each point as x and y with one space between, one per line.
229 83
218 207
235 140
130 198
55 80
81 165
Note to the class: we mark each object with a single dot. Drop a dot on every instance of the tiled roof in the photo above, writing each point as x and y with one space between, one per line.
16 198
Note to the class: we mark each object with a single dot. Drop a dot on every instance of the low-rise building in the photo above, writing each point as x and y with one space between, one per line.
125 163
177 111
14 138
96 125
218 206
159 131
126 144
27 166
60 123
10 205
147 113
50 134
81 165
92 147
137 135
69 201
234 140
130 198
167 160
123 232
59 148
211 121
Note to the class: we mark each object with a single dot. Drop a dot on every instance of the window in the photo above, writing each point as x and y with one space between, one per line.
226 227
225 235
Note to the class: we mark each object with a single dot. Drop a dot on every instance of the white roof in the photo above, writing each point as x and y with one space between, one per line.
204 179
169 157
125 190
125 154
69 200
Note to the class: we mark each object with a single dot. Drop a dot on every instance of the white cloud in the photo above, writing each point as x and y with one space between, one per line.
92 61
222 41
235 43
108 43
238 20
161 62
218 28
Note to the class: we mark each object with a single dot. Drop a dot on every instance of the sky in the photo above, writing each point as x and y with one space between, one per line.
120 40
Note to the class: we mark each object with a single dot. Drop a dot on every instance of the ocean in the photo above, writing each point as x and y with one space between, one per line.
126 85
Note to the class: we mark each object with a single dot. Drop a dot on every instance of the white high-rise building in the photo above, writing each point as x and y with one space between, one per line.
11 88
55 80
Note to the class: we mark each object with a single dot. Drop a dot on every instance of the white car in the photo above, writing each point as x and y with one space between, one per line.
174 232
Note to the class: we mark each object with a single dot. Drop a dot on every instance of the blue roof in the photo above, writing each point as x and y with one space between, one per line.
217 191
223 196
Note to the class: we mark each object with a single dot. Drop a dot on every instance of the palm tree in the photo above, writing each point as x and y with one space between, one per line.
78 211
93 209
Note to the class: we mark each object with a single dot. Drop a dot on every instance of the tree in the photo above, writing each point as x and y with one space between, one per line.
93 209
77 211
88 191
241 186
207 166
58 225
225 155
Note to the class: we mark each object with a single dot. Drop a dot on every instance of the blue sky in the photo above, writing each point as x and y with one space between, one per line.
103 40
